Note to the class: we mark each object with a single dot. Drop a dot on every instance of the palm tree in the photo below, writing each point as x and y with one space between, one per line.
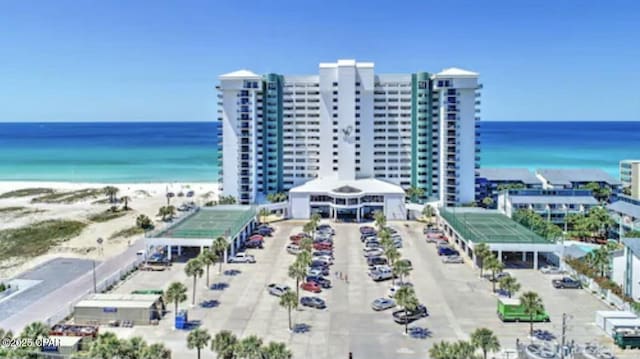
198 339
194 269
315 218
133 348
379 219
35 330
262 214
406 298
442 350
414 192
309 228
464 350
482 252
289 300
143 222
298 271
219 246
176 293
224 344
306 244
392 254
156 351
487 202
509 284
304 258
208 258
250 348
428 212
401 269
532 305
384 235
105 346
495 266
111 192
485 340
276 351
126 200
600 260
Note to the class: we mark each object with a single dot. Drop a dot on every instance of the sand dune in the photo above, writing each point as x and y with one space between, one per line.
146 198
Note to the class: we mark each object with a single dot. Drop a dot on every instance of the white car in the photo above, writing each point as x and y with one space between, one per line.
452 259
242 258
326 259
381 274
293 249
277 289
392 291
315 272
373 252
551 270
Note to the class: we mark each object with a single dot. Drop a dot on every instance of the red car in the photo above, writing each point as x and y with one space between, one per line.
322 246
311 287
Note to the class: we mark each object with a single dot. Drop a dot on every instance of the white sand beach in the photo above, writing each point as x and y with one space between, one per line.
145 198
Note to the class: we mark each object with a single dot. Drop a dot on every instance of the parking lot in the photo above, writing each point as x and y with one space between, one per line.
457 299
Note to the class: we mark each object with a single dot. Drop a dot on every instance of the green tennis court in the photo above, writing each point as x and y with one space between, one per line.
490 227
210 223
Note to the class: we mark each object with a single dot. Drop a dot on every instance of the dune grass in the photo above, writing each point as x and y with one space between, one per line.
11 210
26 192
127 232
17 212
106 216
36 239
70 196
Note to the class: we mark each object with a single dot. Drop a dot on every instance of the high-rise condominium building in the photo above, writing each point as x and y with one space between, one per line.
348 123
630 176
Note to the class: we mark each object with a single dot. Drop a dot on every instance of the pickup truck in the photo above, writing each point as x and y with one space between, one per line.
566 282
242 258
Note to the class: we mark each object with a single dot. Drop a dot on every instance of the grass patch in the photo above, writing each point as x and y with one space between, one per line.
127 232
12 210
69 197
26 192
37 238
106 216
102 201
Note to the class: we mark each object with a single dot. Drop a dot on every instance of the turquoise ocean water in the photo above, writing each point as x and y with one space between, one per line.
186 151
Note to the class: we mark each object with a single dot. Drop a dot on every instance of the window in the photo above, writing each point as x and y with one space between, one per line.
335 84
272 86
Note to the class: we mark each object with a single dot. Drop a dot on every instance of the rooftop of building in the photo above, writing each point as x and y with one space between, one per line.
211 222
509 175
240 74
633 244
550 199
630 161
456 72
627 208
489 226
566 177
337 186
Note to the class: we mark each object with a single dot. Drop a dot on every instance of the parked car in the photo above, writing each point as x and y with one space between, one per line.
381 273
392 291
498 276
566 282
242 258
431 239
277 289
367 229
447 251
391 230
311 287
452 259
323 258
442 243
321 281
374 261
400 317
293 248
382 304
373 252
318 272
319 263
313 302
369 235
253 244
373 244
323 253
551 270
322 246
263 231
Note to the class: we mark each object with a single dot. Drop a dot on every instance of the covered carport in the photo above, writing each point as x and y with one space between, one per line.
512 243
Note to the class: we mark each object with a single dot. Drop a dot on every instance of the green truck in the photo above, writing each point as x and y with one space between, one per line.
510 310
627 339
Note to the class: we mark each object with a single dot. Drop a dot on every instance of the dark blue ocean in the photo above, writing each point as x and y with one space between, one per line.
186 151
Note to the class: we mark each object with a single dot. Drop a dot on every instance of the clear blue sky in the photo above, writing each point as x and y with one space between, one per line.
158 60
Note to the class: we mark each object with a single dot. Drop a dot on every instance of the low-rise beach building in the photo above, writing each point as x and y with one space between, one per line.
626 268
137 309
575 178
625 211
490 181
553 205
